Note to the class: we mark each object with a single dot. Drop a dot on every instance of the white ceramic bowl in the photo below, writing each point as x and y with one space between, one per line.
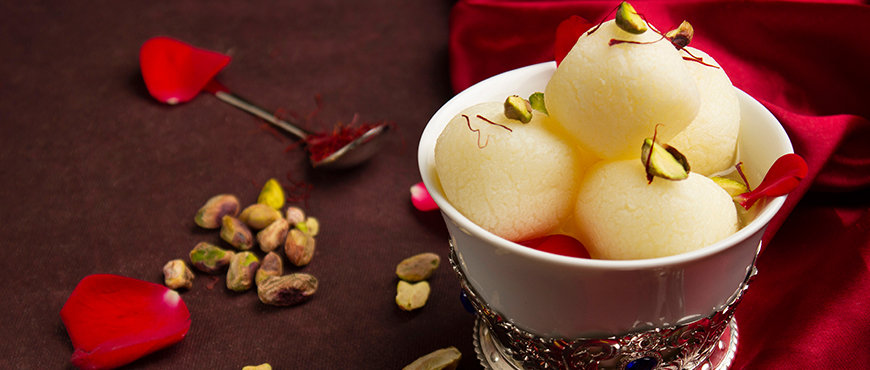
565 297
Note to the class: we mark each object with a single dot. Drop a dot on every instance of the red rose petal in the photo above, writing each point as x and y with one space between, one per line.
113 320
421 199
175 72
567 34
560 244
783 176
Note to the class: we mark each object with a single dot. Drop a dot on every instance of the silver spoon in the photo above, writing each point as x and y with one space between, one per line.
351 154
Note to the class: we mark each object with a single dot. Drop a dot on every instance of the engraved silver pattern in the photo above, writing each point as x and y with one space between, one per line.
684 346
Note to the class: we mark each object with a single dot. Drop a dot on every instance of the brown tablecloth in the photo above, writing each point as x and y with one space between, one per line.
97 177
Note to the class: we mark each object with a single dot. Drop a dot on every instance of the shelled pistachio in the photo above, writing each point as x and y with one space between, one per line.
235 232
287 290
210 214
243 267
210 258
177 275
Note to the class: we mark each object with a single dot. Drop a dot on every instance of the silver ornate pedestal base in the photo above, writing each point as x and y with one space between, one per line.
704 344
492 355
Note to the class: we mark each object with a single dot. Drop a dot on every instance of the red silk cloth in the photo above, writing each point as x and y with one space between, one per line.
808 64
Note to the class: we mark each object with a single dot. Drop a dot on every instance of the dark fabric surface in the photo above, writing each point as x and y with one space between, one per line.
805 61
97 177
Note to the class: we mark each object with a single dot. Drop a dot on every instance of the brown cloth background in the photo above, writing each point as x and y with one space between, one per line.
97 177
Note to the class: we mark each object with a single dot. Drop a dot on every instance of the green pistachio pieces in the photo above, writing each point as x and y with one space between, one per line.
517 108
682 35
235 232
410 296
209 215
243 267
287 290
272 265
177 275
732 187
442 359
536 100
209 258
418 267
259 215
273 236
662 160
299 247
628 20
272 194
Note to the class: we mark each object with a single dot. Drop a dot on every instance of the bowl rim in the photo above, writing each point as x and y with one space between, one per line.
425 152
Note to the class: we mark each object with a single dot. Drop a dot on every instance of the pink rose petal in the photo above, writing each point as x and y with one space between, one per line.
113 320
421 199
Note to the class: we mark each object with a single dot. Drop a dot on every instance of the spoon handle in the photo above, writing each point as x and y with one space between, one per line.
240 103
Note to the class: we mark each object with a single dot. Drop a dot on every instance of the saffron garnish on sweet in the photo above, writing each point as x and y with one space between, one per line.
493 123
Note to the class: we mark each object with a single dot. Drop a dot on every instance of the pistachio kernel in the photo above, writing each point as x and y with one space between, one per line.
732 187
517 108
682 35
410 296
299 247
295 215
272 194
445 358
418 267
259 215
272 265
210 214
287 290
265 366
663 161
273 236
628 20
536 100
235 232
243 267
177 275
210 258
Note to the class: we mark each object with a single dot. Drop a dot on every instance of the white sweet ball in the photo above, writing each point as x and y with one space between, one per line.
611 97
515 180
710 141
620 216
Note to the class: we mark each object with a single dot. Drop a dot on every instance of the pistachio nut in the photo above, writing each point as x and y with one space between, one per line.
209 258
418 267
410 296
518 109
177 275
272 265
299 247
310 226
663 161
536 100
236 233
287 290
295 215
628 20
243 267
682 35
274 235
272 194
265 366
259 215
445 358
210 214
